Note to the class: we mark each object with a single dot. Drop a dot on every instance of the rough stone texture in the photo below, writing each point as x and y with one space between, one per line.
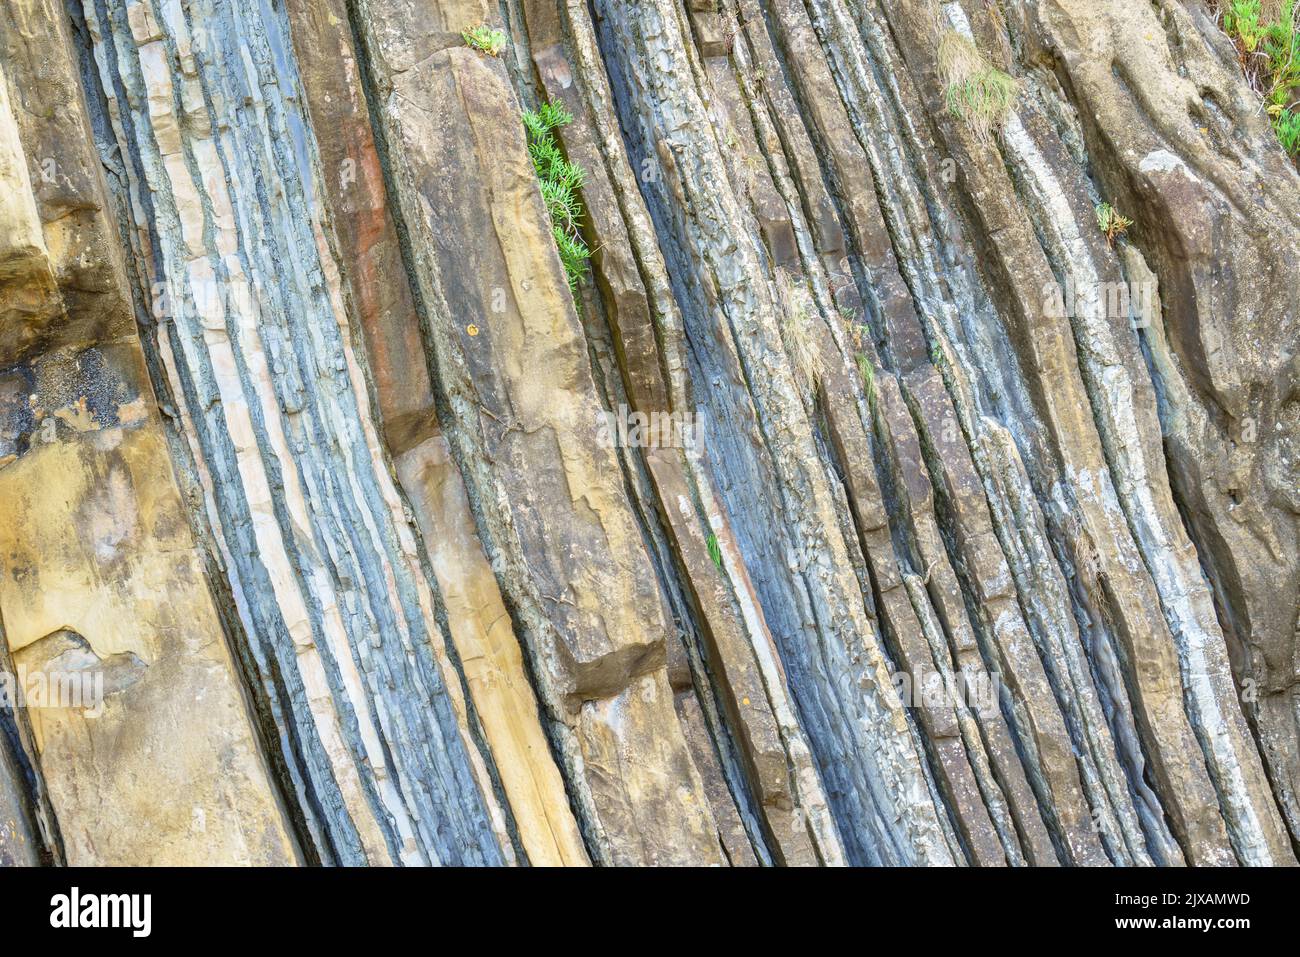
370 262
101 573
974 540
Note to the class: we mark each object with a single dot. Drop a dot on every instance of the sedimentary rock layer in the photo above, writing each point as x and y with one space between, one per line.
866 500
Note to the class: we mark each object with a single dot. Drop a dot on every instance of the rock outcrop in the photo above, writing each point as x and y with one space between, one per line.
869 500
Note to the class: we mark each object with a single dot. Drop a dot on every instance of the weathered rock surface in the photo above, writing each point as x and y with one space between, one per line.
970 535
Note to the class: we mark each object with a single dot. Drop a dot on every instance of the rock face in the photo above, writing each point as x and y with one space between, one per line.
866 503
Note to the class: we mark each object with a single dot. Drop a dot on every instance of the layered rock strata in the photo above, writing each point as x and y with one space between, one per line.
865 503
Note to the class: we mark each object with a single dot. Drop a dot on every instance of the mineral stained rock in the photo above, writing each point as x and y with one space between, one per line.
911 476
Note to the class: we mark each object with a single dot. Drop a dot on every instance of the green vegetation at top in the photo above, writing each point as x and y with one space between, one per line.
1267 34
560 181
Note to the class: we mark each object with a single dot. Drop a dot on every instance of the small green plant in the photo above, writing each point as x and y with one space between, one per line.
1112 223
485 40
715 550
561 182
974 90
1267 36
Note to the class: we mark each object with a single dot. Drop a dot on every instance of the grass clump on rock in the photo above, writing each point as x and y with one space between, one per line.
975 91
560 181
485 39
1112 223
715 550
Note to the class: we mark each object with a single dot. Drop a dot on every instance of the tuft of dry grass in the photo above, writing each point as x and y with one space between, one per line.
798 331
975 91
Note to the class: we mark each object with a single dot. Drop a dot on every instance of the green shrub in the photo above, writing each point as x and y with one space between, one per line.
1287 125
560 182
1241 19
1268 43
